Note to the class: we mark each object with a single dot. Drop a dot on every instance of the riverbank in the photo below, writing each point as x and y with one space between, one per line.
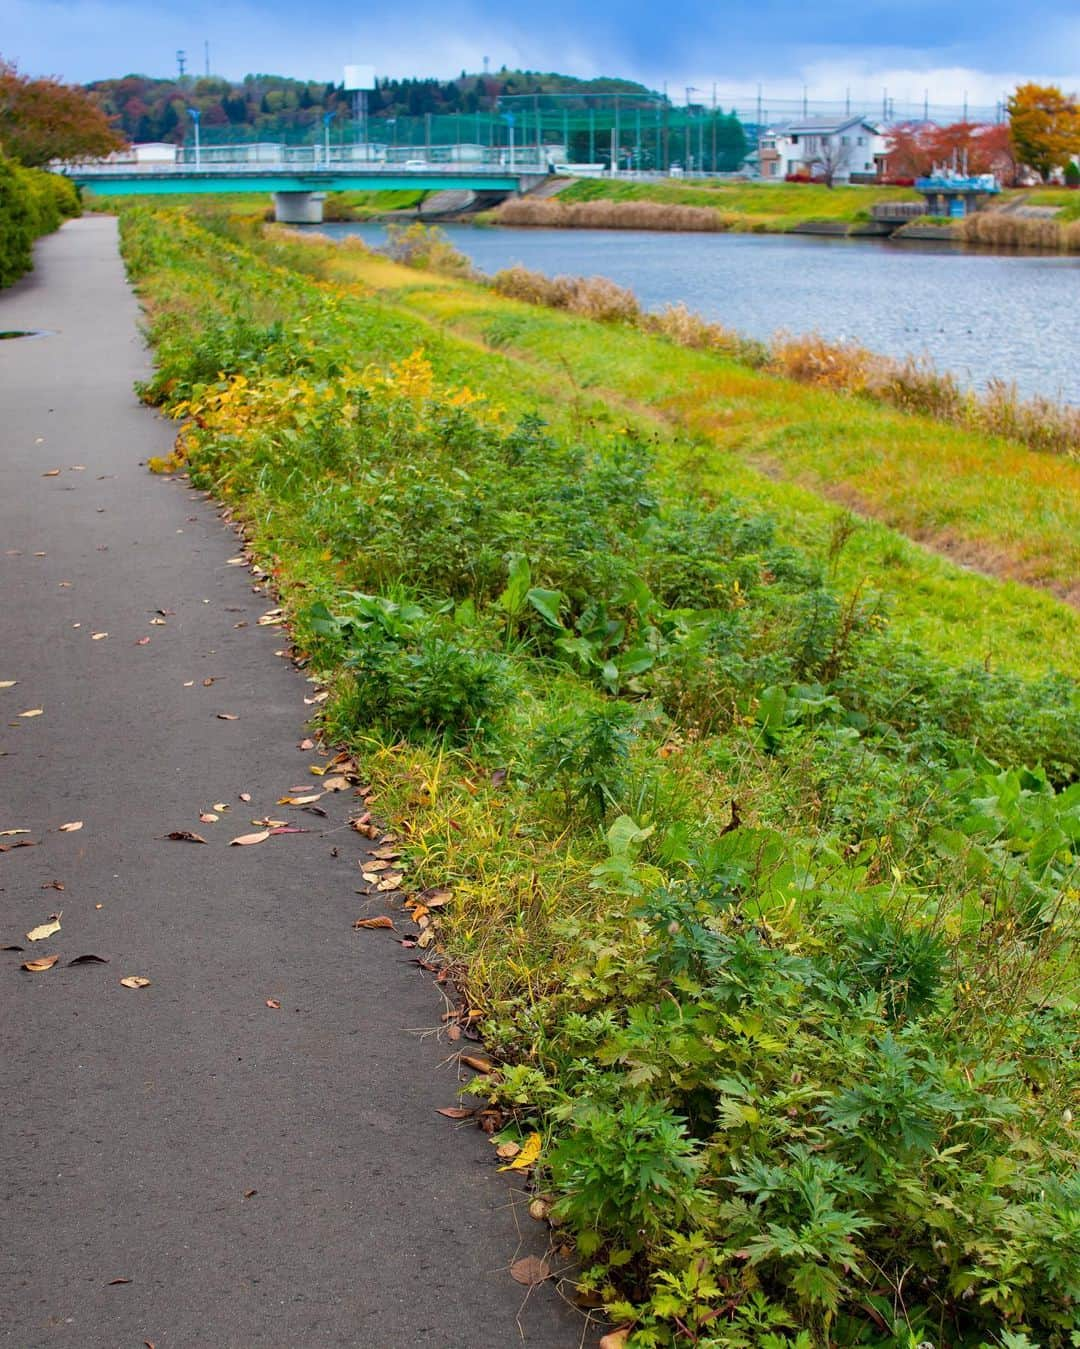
709 841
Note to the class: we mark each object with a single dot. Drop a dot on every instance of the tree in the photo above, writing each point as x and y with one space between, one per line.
831 157
1045 126
42 120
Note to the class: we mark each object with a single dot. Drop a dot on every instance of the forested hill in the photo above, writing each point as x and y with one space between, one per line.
274 107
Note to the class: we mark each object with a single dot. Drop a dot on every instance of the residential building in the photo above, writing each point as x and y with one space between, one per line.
822 147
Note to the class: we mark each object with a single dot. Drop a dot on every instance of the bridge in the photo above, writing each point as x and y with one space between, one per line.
298 192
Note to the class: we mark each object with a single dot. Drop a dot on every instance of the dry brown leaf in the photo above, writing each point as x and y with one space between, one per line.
426 938
525 1156
615 1339
52 885
208 817
220 805
319 697
185 836
210 679
98 636
307 743
142 641
33 712
273 1003
267 823
44 930
477 1064
8 683
381 921
335 784
70 827
135 981
507 1150
227 716
299 800
40 963
436 897
245 840
116 1281
51 473
454 1112
530 1270
10 833
250 1194
89 960
539 1209
243 796
453 1032
375 866
157 622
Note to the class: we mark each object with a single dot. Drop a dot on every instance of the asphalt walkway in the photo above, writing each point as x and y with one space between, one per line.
182 1164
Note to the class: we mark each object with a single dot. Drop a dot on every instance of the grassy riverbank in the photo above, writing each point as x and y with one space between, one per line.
768 930
689 204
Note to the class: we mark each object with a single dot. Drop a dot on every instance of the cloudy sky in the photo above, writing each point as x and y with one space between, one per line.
947 47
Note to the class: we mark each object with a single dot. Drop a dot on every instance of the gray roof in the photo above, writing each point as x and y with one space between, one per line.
824 126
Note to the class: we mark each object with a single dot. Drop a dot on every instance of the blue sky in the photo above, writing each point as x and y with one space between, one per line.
829 45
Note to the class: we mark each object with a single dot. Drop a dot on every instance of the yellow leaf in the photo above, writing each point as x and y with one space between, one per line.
246 840
33 712
43 930
526 1157
40 963
135 981
7 833
298 800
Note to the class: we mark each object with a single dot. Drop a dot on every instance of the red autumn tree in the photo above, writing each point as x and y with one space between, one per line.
43 119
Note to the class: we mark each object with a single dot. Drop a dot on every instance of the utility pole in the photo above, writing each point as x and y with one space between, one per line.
181 62
206 56
615 139
713 165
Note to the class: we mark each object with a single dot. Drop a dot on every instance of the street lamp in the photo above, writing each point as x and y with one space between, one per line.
194 114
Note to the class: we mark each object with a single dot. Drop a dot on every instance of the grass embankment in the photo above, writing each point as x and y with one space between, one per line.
987 501
698 205
32 203
771 942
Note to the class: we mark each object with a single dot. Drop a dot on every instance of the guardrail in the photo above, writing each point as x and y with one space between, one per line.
260 167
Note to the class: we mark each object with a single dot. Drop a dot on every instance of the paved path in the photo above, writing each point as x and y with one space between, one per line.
134 1123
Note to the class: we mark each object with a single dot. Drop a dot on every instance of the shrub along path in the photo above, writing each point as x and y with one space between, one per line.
188 1163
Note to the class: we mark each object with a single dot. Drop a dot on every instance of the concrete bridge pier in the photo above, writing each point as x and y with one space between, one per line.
299 208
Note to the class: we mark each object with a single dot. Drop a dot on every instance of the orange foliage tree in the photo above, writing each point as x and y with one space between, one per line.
916 148
43 119
1045 126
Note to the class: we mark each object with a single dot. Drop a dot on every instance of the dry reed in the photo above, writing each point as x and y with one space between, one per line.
612 215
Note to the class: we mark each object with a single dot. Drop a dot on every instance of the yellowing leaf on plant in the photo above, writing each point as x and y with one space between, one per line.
40 963
245 840
527 1156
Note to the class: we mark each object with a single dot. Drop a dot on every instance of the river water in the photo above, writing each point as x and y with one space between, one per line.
1015 317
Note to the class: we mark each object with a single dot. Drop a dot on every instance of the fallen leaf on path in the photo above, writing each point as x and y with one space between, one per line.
273 1003
250 1194
437 897
304 744
539 1209
142 641
89 960
236 562
40 963
210 679
227 716
530 1270
318 698
185 836
189 683
220 805
22 843
386 854
381 921
44 930
287 829
454 1112
245 840
507 1150
8 683
336 784
615 1339
98 636
526 1156
33 712
478 1065
52 885
299 800
51 473
165 613
112 1282
318 810
390 881
9 833
70 827
267 823
375 866
157 622
245 796
135 981
12 948
208 817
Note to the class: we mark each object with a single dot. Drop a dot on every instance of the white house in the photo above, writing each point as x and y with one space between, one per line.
823 147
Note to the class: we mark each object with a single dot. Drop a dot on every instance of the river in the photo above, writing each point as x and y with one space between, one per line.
981 315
